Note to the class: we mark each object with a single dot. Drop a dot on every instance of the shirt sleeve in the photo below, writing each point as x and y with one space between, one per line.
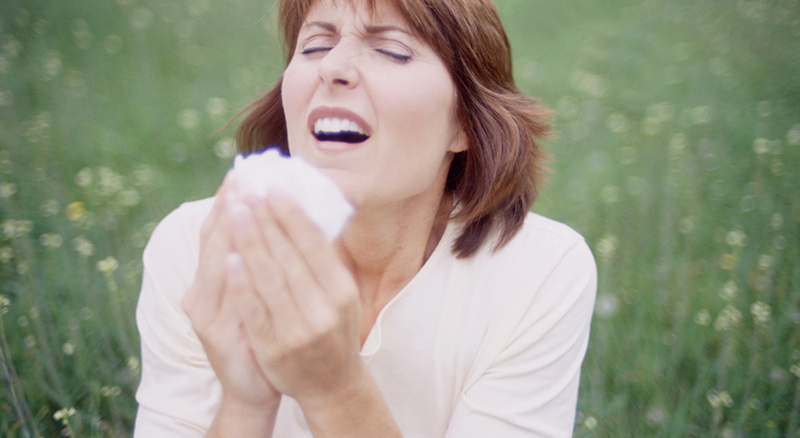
179 392
531 388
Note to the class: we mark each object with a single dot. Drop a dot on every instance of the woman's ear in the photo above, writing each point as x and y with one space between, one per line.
459 143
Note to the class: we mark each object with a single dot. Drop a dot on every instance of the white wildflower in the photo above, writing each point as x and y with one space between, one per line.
6 253
761 312
68 348
108 264
132 363
83 246
51 240
84 177
607 246
606 306
7 190
728 318
729 290
703 317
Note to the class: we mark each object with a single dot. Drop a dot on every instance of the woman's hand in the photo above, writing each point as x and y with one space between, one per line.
299 303
219 326
279 313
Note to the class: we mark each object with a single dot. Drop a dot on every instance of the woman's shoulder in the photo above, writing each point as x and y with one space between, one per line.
540 239
545 261
188 216
170 257
558 233
515 295
174 246
540 260
181 226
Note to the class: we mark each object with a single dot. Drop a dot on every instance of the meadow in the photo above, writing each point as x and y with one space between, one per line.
678 158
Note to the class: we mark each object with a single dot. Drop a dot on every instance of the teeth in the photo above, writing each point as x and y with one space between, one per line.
333 125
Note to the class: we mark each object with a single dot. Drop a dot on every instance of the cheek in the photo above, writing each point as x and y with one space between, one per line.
423 113
420 94
294 94
421 123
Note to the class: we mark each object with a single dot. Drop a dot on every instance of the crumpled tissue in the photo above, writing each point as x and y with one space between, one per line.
315 192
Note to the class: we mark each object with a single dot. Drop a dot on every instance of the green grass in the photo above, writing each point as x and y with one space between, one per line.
678 158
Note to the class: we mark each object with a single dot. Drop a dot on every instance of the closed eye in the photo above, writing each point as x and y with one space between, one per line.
397 56
312 50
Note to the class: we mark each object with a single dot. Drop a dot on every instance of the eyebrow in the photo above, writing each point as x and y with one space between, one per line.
370 30
325 25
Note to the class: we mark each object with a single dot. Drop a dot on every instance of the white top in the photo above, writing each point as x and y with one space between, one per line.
487 346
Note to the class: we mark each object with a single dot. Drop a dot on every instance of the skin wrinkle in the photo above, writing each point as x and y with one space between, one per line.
372 34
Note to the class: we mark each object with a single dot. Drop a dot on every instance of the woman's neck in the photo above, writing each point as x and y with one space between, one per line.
386 247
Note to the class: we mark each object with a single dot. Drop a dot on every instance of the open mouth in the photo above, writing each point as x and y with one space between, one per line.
339 129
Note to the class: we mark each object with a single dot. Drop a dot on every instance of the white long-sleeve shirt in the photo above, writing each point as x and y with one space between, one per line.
489 346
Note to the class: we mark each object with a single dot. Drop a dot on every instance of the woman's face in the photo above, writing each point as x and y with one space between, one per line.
370 104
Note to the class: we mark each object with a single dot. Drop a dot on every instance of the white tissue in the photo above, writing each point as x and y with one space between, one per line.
316 194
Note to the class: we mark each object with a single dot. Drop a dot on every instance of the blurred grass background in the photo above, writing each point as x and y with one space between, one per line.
678 158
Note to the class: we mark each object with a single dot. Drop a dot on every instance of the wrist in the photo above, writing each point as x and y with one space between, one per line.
349 386
236 418
356 409
245 408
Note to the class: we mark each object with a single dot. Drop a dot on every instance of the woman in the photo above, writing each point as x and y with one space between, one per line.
444 309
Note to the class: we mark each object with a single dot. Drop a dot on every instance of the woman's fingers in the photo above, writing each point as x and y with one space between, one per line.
311 246
302 283
268 279
211 222
228 345
221 305
305 339
250 307
204 298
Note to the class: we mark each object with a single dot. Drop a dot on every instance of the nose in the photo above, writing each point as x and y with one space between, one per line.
338 67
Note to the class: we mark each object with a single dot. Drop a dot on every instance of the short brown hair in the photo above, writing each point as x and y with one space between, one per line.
496 180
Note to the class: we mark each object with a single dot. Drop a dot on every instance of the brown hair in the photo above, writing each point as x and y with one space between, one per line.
496 179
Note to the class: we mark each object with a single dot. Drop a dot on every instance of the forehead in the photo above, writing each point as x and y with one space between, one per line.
369 12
